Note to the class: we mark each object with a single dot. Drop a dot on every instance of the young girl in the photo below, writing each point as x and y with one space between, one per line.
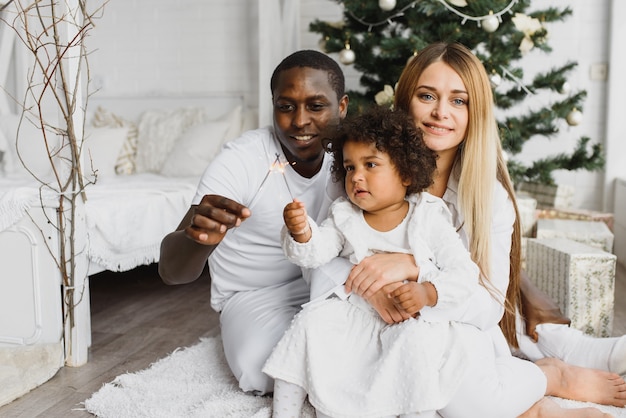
339 351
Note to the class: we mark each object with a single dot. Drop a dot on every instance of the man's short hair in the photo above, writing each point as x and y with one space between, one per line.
316 60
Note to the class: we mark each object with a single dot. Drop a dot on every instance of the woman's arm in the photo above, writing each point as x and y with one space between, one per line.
485 308
378 270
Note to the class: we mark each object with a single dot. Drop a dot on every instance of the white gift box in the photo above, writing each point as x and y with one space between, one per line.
527 207
593 233
578 277
559 196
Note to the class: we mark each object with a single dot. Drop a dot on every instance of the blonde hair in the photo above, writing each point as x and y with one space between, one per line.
480 163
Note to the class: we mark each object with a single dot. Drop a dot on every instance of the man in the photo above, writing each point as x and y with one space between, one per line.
255 289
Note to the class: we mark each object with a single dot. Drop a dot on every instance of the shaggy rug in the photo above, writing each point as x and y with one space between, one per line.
195 382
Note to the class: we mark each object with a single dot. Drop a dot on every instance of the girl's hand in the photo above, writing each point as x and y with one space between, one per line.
385 307
412 297
296 220
378 270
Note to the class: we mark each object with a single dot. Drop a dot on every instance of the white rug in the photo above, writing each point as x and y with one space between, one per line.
196 382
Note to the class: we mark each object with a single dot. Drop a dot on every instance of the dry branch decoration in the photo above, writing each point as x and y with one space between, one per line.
52 34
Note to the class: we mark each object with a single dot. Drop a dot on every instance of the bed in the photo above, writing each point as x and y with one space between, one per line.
146 155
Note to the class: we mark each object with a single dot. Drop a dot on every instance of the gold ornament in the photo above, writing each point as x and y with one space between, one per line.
575 117
346 55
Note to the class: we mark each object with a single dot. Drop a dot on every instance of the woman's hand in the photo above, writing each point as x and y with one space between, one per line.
376 271
385 307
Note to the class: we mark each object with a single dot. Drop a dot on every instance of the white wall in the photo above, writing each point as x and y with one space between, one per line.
192 47
616 129
202 47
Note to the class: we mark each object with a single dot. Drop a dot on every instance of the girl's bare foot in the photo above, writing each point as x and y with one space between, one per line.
582 384
547 408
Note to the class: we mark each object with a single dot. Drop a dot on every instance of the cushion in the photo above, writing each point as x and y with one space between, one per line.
125 163
158 131
31 147
197 146
101 149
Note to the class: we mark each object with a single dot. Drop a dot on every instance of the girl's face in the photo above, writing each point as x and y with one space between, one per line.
440 108
372 180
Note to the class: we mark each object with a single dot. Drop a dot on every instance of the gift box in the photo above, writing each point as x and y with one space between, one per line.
560 196
596 234
527 208
576 215
578 277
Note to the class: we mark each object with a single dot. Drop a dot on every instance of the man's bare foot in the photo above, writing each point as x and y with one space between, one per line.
582 384
547 408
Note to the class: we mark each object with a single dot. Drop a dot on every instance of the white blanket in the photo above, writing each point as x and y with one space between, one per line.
127 216
17 195
196 382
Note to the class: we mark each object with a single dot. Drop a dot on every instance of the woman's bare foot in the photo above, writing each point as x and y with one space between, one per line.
582 384
547 408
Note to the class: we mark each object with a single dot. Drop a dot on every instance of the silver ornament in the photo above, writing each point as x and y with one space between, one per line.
347 56
575 117
387 5
495 79
490 24
565 88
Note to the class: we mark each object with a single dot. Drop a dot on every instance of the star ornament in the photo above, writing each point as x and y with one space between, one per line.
528 26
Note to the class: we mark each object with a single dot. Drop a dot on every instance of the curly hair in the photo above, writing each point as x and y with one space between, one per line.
392 132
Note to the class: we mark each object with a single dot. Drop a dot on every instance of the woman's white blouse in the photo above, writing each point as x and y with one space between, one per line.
483 309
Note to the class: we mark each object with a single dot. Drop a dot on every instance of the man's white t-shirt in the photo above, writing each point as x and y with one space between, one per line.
250 256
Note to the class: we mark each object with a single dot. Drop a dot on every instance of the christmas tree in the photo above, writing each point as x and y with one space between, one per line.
378 36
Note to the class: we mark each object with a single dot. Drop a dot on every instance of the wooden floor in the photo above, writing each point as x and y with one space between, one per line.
137 320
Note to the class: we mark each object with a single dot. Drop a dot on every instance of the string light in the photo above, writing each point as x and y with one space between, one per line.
478 19
519 82
464 16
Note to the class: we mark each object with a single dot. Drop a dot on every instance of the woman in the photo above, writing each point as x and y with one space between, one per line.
447 92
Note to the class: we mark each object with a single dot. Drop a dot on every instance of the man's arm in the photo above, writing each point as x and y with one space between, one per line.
185 251
182 259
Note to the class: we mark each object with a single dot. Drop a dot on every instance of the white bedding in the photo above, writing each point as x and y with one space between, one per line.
127 216
17 195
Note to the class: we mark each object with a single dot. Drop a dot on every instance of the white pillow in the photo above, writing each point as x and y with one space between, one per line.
158 132
103 118
31 147
101 149
195 149
198 145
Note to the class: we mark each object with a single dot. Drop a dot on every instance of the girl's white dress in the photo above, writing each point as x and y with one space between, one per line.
349 361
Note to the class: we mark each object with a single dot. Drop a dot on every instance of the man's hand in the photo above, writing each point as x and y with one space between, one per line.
538 308
213 217
385 307
376 271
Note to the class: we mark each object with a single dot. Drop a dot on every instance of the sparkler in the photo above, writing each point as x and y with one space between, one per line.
279 166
